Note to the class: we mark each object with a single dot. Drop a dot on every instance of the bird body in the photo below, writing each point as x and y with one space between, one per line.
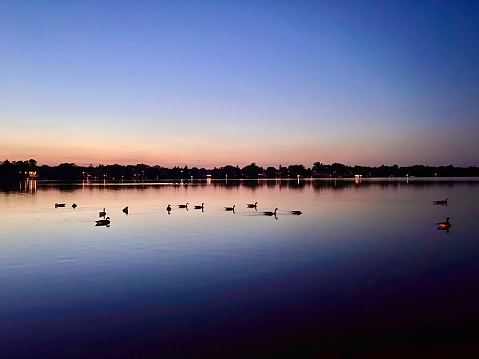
103 222
441 202
125 210
230 208
444 225
168 208
297 212
200 207
74 205
183 205
252 205
102 213
268 213
59 205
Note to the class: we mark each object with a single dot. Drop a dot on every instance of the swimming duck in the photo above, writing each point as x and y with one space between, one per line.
59 205
230 208
200 207
125 210
103 222
74 205
296 212
168 208
183 205
102 213
251 205
444 225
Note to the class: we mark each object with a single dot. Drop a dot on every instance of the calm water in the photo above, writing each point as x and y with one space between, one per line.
363 271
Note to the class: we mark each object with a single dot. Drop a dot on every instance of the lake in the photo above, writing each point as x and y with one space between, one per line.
363 271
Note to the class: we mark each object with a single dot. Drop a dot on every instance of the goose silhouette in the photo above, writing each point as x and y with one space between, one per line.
297 213
200 207
168 208
252 205
59 205
444 225
268 213
125 210
102 213
74 205
183 205
103 222
441 202
230 208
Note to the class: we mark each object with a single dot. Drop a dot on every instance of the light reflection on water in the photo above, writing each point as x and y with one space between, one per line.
363 265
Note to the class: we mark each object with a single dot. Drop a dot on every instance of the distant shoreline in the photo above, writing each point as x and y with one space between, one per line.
18 170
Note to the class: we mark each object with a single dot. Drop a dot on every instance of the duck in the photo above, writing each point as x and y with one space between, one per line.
59 205
268 213
74 205
168 208
230 208
103 222
125 210
183 205
200 207
444 225
297 213
102 213
252 205
441 202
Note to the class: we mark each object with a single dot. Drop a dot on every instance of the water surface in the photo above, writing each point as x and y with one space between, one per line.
363 271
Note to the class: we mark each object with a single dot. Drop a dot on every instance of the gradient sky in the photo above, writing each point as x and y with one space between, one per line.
211 83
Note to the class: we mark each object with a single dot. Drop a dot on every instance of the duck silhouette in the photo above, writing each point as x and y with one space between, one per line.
297 213
102 213
183 205
125 210
74 205
252 205
200 207
59 205
230 208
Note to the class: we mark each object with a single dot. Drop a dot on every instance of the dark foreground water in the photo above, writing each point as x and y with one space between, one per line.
364 271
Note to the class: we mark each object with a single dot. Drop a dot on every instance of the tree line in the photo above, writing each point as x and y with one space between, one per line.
18 170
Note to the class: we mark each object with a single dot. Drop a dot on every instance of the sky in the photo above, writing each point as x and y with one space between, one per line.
214 83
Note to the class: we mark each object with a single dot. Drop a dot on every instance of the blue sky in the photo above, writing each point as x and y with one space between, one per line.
211 83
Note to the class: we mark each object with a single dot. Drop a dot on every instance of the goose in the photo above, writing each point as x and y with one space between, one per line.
296 212
444 225
168 208
251 205
74 205
59 205
268 213
200 207
441 202
230 208
183 205
102 213
103 222
125 210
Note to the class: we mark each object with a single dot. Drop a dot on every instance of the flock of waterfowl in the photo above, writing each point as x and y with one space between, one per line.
105 221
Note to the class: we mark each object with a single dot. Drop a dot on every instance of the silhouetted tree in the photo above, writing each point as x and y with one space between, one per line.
252 171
